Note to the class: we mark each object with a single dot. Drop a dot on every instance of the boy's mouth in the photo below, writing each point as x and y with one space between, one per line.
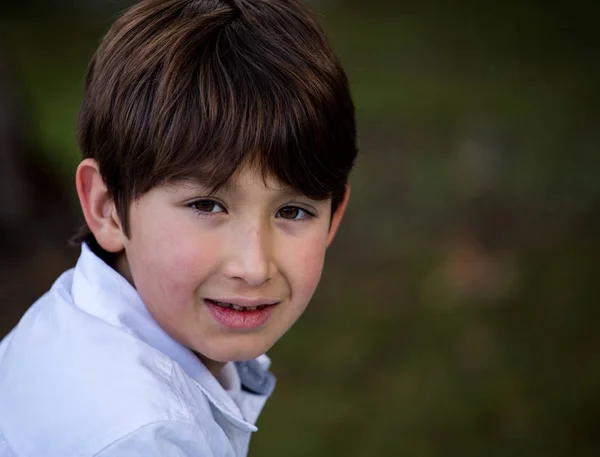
243 315
236 307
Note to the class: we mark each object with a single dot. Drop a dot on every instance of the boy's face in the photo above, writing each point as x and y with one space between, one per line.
191 256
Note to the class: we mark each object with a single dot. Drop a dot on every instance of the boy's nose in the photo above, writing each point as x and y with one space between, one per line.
251 259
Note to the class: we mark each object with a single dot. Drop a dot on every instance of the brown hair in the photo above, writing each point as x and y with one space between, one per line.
181 88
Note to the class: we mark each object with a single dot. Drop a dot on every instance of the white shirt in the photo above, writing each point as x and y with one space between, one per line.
88 372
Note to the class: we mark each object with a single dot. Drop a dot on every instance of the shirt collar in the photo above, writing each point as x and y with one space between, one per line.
101 291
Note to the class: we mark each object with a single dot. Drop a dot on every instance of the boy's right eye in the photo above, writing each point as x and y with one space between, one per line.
207 206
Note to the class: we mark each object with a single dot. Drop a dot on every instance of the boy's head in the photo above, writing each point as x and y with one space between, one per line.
218 136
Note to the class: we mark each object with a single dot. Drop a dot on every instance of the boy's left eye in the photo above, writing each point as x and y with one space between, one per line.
207 206
293 213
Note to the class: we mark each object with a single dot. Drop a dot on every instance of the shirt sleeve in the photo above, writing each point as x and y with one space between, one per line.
166 438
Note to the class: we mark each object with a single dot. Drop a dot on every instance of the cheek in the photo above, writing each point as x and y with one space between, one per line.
172 263
305 265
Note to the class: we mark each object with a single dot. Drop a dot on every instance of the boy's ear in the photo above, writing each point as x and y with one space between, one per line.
98 207
337 216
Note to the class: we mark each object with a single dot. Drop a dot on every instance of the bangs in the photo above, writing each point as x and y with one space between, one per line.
237 108
181 89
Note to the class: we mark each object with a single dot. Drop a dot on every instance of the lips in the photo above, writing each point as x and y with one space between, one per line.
242 315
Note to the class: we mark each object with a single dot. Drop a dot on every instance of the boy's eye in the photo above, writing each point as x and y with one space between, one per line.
293 213
207 206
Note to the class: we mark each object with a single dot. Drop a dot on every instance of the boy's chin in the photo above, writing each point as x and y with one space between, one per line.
232 353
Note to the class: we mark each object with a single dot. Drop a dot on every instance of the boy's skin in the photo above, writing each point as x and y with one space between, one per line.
252 242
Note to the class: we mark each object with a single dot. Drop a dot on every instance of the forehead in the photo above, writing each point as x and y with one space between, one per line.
240 183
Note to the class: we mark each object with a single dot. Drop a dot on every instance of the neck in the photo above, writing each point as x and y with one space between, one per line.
213 366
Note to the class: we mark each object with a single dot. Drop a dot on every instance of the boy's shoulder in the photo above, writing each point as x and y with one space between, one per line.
71 384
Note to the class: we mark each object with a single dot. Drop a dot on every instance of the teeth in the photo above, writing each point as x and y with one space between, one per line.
238 308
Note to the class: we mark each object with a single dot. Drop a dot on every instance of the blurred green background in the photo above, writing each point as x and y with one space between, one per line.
459 309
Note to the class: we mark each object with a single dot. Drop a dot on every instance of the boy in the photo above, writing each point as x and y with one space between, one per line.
217 136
